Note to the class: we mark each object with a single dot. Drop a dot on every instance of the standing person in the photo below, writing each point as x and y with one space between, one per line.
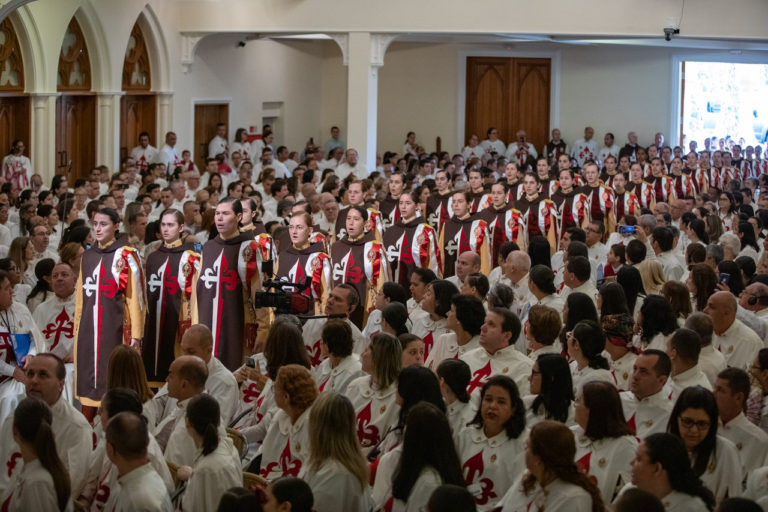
168 154
305 260
359 260
171 270
505 224
600 198
463 232
44 482
570 202
411 243
110 305
336 471
439 204
539 214
144 154
230 272
585 149
17 168
389 207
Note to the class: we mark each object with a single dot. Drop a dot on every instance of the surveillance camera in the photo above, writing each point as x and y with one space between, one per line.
241 44
669 32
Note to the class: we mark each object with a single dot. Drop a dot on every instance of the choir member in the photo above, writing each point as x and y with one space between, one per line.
626 203
663 185
600 199
373 223
504 223
435 305
539 214
463 232
570 203
439 204
454 376
477 197
390 206
642 190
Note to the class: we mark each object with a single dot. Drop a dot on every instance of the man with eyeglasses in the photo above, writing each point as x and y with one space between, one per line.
683 349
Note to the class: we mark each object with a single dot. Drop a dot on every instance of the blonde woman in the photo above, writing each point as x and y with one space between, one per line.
652 274
336 471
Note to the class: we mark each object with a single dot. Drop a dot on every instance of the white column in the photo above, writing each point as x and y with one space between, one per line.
108 129
363 55
43 134
164 116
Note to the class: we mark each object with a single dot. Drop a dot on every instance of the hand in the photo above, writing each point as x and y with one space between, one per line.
723 287
184 472
640 235
19 375
136 344
25 361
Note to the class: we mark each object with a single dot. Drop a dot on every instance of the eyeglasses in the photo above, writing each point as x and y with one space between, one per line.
689 423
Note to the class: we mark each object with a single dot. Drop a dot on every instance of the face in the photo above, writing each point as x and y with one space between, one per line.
564 162
465 265
413 355
566 180
459 205
298 230
542 169
355 223
645 381
6 293
103 228
636 172
40 238
396 185
441 180
475 180
407 206
619 182
535 379
173 380
608 140
63 280
694 426
510 172
355 193
337 302
351 157
643 471
226 219
428 301
417 288
591 174
170 228
492 338
581 412
657 169
496 408
41 380
593 234
366 360
530 185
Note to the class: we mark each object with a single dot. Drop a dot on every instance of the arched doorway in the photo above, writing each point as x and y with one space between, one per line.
14 103
75 107
138 107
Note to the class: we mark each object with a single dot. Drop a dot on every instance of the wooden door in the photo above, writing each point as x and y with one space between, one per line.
207 116
138 113
76 134
14 122
508 94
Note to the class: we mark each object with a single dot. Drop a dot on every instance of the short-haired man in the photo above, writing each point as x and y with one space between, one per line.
44 379
646 406
585 149
469 262
683 349
218 145
738 343
463 321
144 153
731 391
662 242
342 301
577 278
711 361
497 354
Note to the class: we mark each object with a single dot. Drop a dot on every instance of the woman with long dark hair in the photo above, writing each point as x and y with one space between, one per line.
604 443
677 484
632 282
426 459
586 343
735 284
697 232
42 290
578 306
611 300
540 251
551 395
217 467
679 298
492 447
44 481
436 304
749 245
726 208
714 459
454 376
702 282
394 319
655 322
552 482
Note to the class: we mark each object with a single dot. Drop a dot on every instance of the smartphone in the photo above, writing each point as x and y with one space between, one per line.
626 230
725 279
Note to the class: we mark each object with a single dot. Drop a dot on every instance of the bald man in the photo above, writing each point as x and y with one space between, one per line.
518 265
738 343
755 298
329 212
221 383
468 263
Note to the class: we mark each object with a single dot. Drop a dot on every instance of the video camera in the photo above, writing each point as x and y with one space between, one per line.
285 302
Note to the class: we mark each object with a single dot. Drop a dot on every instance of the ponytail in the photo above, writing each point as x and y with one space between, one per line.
204 415
32 420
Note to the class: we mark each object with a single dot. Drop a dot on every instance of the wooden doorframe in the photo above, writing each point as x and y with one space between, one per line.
209 101
461 103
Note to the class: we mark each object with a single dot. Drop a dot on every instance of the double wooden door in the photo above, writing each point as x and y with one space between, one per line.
509 94
75 134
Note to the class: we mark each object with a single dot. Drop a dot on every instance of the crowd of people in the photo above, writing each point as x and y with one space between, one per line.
569 329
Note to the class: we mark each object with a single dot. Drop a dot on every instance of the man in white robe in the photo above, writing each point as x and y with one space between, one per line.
683 349
521 150
577 278
143 154
74 437
168 155
138 487
646 406
610 148
585 149
218 144
351 165
738 343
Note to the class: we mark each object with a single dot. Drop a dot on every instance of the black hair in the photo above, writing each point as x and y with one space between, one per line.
238 499
452 498
479 282
456 374
543 277
443 291
295 491
427 442
577 234
118 400
636 251
396 315
204 415
515 425
425 274
699 227
395 292
580 267
416 384
658 317
43 268
470 312
556 395
591 340
114 217
739 505
736 283
747 233
539 251
580 307
697 397
613 300
630 279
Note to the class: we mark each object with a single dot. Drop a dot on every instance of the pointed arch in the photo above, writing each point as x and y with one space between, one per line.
31 49
137 72
157 48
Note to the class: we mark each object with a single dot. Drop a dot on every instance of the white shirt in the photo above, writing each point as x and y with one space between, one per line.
426 483
141 489
216 146
649 415
621 369
143 156
335 489
490 465
609 150
337 379
286 447
532 418
459 414
584 150
586 287
375 410
690 377
222 386
74 443
608 460
473 152
212 476
558 496
168 156
739 344
711 362
673 271
507 361
427 329
447 347
55 319
511 153
180 448
344 170
34 490
499 147
588 374
723 473
312 334
750 440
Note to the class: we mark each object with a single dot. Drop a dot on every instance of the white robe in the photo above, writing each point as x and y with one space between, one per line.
621 369
609 460
217 146
739 344
723 473
33 490
286 447
691 377
335 489
222 386
447 347
427 329
490 465
144 156
711 362
337 379
507 361
21 322
558 496
750 440
375 410
212 476
55 319
584 150
139 490
429 480
649 415
313 331
180 447
588 374
74 443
